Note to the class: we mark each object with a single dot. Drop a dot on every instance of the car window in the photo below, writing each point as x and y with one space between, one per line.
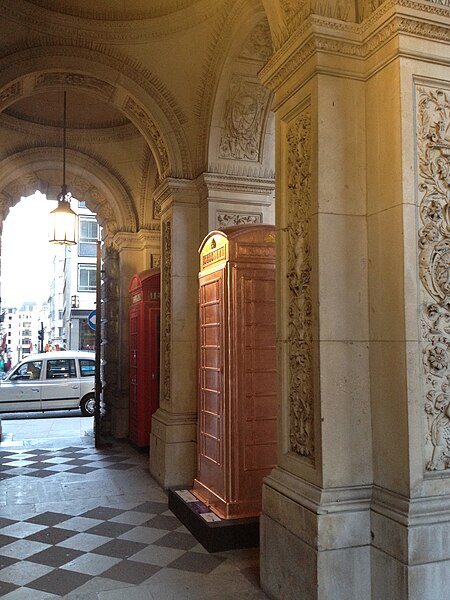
30 370
61 368
87 367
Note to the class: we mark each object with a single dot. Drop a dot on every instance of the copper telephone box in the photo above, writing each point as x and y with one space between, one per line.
237 369
144 294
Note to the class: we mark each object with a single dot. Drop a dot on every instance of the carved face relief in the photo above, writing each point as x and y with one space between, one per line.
433 152
243 121
259 44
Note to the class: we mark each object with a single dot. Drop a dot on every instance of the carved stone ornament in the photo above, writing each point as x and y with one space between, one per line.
166 328
75 80
367 7
299 267
155 261
259 44
12 92
245 109
335 9
433 153
226 219
143 118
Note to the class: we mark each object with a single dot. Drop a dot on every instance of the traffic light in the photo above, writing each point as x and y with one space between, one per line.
41 338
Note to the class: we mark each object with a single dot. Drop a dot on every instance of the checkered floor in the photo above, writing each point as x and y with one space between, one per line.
87 524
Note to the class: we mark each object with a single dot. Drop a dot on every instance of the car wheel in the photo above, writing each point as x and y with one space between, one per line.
87 406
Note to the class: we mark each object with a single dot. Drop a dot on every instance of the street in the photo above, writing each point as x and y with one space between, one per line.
19 428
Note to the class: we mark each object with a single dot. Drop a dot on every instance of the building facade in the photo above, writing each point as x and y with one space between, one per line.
190 115
79 282
20 329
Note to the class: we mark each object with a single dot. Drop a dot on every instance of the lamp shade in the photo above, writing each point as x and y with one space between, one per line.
64 224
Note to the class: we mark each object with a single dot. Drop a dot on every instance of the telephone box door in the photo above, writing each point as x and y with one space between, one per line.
144 293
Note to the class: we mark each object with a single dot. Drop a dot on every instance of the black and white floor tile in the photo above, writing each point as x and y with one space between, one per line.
87 524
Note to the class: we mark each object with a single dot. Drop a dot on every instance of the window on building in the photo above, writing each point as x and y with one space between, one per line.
86 278
88 236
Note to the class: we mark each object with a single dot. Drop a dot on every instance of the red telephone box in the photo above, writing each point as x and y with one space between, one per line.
144 292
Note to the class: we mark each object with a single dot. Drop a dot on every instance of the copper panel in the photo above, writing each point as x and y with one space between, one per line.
237 371
211 400
210 455
211 448
210 313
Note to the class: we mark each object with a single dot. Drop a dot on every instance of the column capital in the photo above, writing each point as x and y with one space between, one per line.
124 240
221 185
175 191
319 44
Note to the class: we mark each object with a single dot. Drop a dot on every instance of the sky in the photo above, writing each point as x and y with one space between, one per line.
27 255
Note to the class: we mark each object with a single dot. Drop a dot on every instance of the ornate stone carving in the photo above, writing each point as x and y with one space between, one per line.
157 207
23 186
13 91
225 219
433 153
244 117
155 261
273 77
259 44
297 11
166 325
299 267
75 80
110 335
114 26
367 7
158 142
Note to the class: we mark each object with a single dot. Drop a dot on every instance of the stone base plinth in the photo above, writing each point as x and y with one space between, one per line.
215 534
173 449
291 569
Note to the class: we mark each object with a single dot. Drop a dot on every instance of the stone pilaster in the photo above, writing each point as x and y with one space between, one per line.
173 459
134 253
409 250
315 526
358 505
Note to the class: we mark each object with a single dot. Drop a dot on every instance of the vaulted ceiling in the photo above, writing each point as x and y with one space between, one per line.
141 80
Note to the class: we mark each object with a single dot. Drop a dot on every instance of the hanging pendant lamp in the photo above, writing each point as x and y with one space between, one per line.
63 218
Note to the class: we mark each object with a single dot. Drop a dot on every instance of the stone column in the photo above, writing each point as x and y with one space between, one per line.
135 252
173 458
408 192
109 333
315 523
358 505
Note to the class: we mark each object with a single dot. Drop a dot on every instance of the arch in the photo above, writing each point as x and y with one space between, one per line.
237 24
23 173
241 108
137 94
